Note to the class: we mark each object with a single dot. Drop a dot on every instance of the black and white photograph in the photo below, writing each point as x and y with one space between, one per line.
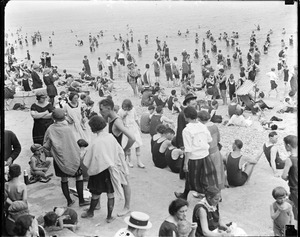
150 118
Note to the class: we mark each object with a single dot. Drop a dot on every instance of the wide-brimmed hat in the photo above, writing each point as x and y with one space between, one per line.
138 220
35 147
189 97
58 114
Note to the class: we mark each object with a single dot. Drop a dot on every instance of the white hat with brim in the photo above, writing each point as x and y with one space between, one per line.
138 220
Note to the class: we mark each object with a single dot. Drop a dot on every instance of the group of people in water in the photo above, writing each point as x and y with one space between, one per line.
193 151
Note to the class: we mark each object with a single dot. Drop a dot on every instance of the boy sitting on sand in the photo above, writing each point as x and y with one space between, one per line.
38 165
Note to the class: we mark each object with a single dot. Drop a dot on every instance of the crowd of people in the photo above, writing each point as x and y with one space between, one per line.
95 144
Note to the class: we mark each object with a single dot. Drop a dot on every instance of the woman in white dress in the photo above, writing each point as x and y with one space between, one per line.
130 119
76 118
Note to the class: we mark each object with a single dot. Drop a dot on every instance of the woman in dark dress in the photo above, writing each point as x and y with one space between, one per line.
206 214
177 209
51 89
252 69
41 113
86 65
25 83
159 148
222 84
36 81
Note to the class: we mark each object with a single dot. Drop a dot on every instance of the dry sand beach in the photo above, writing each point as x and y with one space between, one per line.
153 188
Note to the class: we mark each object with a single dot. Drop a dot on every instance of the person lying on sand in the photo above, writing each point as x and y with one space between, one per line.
239 119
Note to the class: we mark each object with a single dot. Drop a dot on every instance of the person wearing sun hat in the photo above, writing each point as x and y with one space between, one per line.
38 164
189 100
138 223
60 141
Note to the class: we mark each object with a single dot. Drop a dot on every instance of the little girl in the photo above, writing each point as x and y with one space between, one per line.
281 211
130 119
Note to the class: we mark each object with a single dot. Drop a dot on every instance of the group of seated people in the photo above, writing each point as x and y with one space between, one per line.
153 94
16 214
104 85
290 104
164 150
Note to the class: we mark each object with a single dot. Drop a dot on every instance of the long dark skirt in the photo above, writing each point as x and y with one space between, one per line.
202 174
39 128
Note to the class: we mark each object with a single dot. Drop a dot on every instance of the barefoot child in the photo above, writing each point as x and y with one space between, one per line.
38 165
281 211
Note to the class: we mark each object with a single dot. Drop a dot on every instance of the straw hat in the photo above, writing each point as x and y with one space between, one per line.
138 220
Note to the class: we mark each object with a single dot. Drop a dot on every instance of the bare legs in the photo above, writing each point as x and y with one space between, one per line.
138 157
127 194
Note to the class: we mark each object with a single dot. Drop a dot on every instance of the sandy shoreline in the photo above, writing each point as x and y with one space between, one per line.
152 188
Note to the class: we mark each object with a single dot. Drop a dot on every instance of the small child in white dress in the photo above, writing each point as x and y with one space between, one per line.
130 119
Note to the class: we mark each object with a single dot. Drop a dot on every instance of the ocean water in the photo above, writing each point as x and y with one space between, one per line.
160 19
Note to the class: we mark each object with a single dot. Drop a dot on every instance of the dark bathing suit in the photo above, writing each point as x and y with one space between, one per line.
235 176
110 126
279 162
